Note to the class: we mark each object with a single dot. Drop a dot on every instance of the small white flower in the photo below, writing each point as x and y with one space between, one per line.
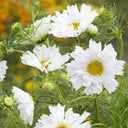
72 22
95 68
45 59
61 119
41 29
92 29
25 105
3 68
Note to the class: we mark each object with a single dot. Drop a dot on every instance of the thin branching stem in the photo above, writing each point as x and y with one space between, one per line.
121 47
99 124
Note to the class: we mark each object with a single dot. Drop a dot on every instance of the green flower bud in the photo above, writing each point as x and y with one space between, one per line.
16 27
102 10
8 101
64 77
48 86
92 29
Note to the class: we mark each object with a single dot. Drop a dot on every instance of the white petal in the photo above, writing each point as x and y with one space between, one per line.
25 105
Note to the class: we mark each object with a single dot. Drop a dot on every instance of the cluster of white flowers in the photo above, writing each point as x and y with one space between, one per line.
93 68
71 23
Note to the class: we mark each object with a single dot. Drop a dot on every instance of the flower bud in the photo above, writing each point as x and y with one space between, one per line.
8 101
92 29
16 27
64 77
47 86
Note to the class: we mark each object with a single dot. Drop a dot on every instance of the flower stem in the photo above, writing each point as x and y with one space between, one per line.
60 93
121 47
11 50
99 124
79 40
97 109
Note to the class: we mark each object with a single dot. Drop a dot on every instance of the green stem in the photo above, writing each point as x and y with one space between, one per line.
99 124
97 109
82 97
60 93
79 40
11 50
121 47
47 42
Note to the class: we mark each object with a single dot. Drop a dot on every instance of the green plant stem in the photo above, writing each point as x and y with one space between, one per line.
97 109
79 40
60 93
11 50
82 97
121 47
99 124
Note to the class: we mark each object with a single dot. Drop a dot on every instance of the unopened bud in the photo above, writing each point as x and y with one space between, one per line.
47 86
16 26
8 101
64 77
92 29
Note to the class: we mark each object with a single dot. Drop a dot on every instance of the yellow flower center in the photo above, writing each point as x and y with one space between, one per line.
95 68
75 25
45 65
62 126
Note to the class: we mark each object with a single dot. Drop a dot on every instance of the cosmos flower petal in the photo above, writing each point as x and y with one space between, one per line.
31 60
25 105
3 68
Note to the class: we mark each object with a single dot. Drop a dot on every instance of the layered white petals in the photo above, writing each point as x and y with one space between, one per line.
77 69
3 68
25 105
59 117
51 57
40 30
63 23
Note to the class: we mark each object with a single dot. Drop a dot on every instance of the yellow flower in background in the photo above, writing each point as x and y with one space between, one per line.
17 78
20 65
29 85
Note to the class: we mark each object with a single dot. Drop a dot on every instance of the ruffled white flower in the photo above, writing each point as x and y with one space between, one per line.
95 68
61 119
72 22
3 68
40 30
25 105
45 59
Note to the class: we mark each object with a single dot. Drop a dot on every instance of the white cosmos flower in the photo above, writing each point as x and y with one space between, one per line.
45 59
72 22
61 119
41 29
3 68
95 68
25 105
